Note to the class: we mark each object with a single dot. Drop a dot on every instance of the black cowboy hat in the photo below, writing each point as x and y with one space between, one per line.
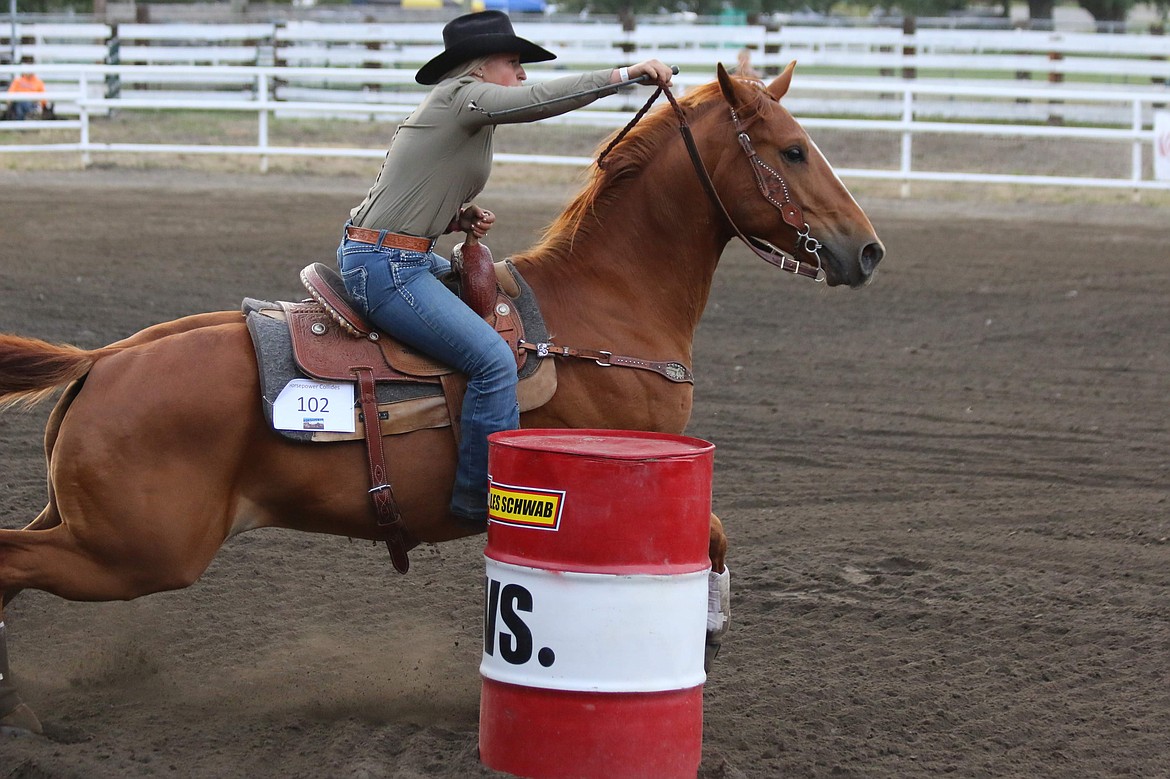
476 35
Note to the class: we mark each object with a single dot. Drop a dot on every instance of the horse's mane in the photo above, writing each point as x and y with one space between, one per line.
626 160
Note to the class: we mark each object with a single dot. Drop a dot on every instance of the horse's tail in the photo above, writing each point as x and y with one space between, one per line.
31 369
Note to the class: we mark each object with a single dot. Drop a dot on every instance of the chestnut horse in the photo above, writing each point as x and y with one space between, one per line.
146 486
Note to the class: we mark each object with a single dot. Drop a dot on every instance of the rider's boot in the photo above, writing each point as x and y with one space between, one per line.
15 715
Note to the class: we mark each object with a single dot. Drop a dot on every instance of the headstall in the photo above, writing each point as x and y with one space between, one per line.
768 180
774 189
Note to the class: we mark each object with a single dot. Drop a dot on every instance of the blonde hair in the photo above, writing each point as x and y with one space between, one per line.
467 68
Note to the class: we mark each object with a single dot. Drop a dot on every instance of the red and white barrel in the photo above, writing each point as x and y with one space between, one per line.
595 604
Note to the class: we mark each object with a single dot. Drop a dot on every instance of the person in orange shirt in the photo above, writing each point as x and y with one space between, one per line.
26 82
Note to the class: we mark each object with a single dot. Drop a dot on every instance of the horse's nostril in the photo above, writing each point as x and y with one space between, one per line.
871 255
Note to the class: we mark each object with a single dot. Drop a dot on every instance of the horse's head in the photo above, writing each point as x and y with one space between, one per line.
764 178
780 191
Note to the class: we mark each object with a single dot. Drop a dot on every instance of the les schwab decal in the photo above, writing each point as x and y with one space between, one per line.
525 506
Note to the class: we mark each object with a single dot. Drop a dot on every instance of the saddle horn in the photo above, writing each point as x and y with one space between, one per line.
477 275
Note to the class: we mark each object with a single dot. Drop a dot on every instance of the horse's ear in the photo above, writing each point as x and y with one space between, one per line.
724 82
779 87
729 86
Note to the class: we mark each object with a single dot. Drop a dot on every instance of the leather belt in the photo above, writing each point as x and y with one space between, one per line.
411 243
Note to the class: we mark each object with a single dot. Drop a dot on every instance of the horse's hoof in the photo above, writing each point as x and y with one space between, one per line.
20 721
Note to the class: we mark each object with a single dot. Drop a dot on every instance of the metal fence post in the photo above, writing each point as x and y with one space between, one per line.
113 57
907 136
1136 148
262 114
83 115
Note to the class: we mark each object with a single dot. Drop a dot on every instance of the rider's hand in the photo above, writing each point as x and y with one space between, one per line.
476 220
658 73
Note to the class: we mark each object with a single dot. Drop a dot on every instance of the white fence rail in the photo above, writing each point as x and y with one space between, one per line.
958 53
905 108
1131 61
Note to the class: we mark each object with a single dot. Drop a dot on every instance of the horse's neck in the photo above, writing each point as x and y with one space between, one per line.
637 271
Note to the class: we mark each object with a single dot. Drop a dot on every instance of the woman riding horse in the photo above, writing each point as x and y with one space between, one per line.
439 159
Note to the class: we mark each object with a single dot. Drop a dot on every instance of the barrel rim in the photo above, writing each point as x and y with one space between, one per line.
517 439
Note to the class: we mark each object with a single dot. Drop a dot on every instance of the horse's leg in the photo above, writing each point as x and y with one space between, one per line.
718 545
82 569
143 482
14 714
48 517
140 488
155 526
116 542
718 591
45 520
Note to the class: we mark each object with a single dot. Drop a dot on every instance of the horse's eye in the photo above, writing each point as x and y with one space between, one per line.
793 154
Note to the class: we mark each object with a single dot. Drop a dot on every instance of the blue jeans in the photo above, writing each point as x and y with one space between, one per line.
400 293
22 108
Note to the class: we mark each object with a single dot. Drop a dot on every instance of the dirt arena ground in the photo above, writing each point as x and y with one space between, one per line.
946 496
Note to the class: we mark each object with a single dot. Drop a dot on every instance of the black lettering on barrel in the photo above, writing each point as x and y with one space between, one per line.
491 603
517 647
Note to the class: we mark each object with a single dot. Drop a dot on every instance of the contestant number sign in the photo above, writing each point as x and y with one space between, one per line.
318 406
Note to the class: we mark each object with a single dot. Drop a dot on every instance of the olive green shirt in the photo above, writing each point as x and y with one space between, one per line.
441 155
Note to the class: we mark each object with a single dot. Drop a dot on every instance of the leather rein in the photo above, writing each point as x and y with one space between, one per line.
768 180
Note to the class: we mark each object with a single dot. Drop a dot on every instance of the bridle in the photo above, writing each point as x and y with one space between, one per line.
768 180
774 189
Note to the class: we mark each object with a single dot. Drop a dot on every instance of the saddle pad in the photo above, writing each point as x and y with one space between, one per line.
274 357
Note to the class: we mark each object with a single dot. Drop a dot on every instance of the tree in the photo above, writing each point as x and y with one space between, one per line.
1101 10
1040 9
623 9
928 7
1107 10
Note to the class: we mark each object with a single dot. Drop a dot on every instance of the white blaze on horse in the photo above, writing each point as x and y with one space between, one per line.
144 488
